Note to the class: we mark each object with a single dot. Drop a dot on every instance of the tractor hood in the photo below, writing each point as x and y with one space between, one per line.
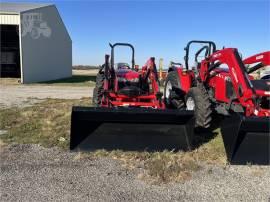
127 74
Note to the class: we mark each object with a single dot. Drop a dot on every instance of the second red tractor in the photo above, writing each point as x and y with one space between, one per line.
218 83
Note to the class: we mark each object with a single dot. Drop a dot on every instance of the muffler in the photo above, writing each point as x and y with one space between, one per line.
130 129
246 139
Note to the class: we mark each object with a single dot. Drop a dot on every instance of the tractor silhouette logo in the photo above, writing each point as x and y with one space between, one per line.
33 25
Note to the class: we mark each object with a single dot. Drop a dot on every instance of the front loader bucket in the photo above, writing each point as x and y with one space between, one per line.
130 129
246 139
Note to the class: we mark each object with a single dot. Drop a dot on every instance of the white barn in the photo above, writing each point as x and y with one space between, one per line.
35 44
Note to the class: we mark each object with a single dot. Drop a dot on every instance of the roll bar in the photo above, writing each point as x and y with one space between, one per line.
122 44
206 48
210 49
175 63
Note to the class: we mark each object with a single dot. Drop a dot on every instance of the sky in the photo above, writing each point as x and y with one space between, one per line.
162 28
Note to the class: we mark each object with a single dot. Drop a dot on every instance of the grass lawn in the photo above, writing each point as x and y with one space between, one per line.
79 78
48 124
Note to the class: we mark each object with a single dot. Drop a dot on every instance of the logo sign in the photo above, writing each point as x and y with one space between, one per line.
217 55
35 26
259 57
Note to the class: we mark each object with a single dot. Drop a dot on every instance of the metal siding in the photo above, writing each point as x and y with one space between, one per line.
46 58
20 43
7 19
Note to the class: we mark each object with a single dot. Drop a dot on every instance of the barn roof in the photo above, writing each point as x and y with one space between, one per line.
20 7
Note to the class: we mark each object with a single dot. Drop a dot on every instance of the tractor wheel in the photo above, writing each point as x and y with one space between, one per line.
98 90
172 97
197 99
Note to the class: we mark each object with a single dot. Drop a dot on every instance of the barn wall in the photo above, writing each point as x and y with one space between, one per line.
46 46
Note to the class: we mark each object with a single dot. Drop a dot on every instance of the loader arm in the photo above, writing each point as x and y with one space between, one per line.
244 89
150 72
263 59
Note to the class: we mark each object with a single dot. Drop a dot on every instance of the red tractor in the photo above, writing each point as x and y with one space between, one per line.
220 83
129 112
127 86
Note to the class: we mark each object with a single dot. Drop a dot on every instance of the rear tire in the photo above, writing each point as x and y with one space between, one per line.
201 106
98 90
172 97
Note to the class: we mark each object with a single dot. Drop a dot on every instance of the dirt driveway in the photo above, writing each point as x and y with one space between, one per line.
24 95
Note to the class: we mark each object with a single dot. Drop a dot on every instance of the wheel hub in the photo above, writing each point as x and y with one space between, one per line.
190 103
168 89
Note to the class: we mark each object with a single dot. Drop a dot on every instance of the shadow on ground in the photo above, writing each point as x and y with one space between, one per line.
202 136
75 79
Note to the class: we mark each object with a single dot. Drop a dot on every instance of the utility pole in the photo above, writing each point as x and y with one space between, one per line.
160 68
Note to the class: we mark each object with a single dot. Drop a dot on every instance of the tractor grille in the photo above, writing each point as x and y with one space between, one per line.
123 82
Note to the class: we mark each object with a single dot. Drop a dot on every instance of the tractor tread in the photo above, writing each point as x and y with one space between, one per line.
175 101
203 110
98 90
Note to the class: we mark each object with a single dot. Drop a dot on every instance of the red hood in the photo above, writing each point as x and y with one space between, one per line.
127 74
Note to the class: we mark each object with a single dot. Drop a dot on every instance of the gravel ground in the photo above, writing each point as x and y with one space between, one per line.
34 173
25 95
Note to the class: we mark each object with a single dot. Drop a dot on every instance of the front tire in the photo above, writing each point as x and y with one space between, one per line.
197 99
173 97
99 89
